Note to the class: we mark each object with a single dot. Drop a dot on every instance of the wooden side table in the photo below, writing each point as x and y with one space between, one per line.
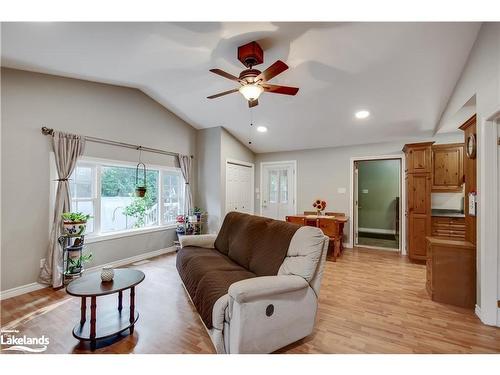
112 322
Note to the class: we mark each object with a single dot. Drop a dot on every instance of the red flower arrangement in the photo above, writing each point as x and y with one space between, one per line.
319 205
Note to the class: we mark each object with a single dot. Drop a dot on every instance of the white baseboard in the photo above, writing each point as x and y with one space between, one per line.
477 310
17 291
376 230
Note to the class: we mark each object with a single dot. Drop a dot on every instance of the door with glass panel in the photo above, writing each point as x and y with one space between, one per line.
278 190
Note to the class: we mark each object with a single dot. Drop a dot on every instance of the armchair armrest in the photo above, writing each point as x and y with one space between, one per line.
265 286
201 240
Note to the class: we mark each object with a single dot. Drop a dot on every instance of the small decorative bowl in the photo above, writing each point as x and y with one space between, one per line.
107 274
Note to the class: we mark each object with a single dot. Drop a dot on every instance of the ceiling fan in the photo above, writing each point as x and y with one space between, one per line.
253 82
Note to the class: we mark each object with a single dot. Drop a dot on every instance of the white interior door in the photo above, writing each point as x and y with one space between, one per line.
278 190
239 187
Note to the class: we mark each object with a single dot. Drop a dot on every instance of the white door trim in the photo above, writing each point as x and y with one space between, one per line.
488 220
246 164
281 162
402 218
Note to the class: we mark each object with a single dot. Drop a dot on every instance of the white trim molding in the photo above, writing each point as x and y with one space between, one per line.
488 221
23 289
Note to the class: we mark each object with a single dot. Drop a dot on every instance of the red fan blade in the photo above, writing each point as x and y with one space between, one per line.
275 69
253 103
285 90
225 75
222 93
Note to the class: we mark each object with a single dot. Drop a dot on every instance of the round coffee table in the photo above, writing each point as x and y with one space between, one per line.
112 322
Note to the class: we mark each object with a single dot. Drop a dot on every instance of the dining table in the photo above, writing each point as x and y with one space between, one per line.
334 229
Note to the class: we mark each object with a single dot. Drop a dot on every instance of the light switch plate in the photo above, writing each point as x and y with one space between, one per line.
341 190
365 191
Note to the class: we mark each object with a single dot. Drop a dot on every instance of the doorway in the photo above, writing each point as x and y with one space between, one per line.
278 188
377 203
239 186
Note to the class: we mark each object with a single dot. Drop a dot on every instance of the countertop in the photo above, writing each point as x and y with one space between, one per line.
447 213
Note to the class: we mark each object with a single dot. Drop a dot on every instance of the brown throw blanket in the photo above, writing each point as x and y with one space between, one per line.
247 246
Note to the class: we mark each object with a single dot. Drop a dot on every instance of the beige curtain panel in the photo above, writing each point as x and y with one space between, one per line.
185 164
67 149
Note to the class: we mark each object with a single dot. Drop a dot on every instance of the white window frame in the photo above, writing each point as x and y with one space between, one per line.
98 163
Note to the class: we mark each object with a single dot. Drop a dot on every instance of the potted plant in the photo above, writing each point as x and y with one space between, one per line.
181 224
75 265
74 223
197 211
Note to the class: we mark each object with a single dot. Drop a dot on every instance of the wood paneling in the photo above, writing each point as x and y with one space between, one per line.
451 271
370 302
447 161
469 127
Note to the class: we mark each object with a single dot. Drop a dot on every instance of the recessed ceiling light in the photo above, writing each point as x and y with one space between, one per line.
261 129
362 114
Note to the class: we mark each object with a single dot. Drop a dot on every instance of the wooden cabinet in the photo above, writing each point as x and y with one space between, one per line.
451 271
418 157
449 227
447 165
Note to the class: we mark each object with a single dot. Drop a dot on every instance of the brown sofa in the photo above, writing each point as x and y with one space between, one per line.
245 281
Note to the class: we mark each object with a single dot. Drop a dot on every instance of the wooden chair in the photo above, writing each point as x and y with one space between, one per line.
310 212
332 229
296 220
334 214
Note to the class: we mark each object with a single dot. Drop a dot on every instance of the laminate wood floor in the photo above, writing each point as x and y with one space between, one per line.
371 302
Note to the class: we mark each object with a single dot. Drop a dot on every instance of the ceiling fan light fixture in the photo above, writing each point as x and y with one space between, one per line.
251 91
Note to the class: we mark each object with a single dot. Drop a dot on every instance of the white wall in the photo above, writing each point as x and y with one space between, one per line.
321 172
30 101
481 77
208 196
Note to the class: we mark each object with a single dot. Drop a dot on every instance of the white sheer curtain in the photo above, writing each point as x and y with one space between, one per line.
185 163
67 149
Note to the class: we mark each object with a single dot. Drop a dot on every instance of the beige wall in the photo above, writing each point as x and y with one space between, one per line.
481 77
30 101
321 172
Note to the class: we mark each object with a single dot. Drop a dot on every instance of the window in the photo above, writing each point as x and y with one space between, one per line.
106 190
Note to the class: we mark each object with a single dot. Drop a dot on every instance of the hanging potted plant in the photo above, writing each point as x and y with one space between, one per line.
75 223
140 187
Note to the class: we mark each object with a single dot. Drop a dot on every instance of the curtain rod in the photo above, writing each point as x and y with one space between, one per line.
48 131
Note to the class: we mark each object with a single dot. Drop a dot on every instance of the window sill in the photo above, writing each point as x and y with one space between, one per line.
132 232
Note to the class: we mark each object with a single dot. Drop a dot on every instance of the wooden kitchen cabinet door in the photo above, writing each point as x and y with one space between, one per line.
448 170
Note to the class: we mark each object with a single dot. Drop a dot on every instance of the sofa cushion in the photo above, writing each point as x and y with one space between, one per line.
207 275
256 243
304 253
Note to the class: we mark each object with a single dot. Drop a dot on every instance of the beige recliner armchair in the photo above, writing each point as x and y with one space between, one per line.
256 284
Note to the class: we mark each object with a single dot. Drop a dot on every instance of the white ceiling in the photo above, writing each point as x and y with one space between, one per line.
403 73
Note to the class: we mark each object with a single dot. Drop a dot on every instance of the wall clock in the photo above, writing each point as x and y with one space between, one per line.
471 146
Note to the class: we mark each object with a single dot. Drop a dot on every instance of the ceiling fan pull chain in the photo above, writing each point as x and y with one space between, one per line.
251 126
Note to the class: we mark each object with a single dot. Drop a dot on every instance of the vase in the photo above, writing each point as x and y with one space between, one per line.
107 274
74 228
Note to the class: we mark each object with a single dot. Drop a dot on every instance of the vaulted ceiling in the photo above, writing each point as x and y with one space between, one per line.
403 73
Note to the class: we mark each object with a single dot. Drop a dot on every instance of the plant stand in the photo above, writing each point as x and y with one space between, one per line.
70 251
